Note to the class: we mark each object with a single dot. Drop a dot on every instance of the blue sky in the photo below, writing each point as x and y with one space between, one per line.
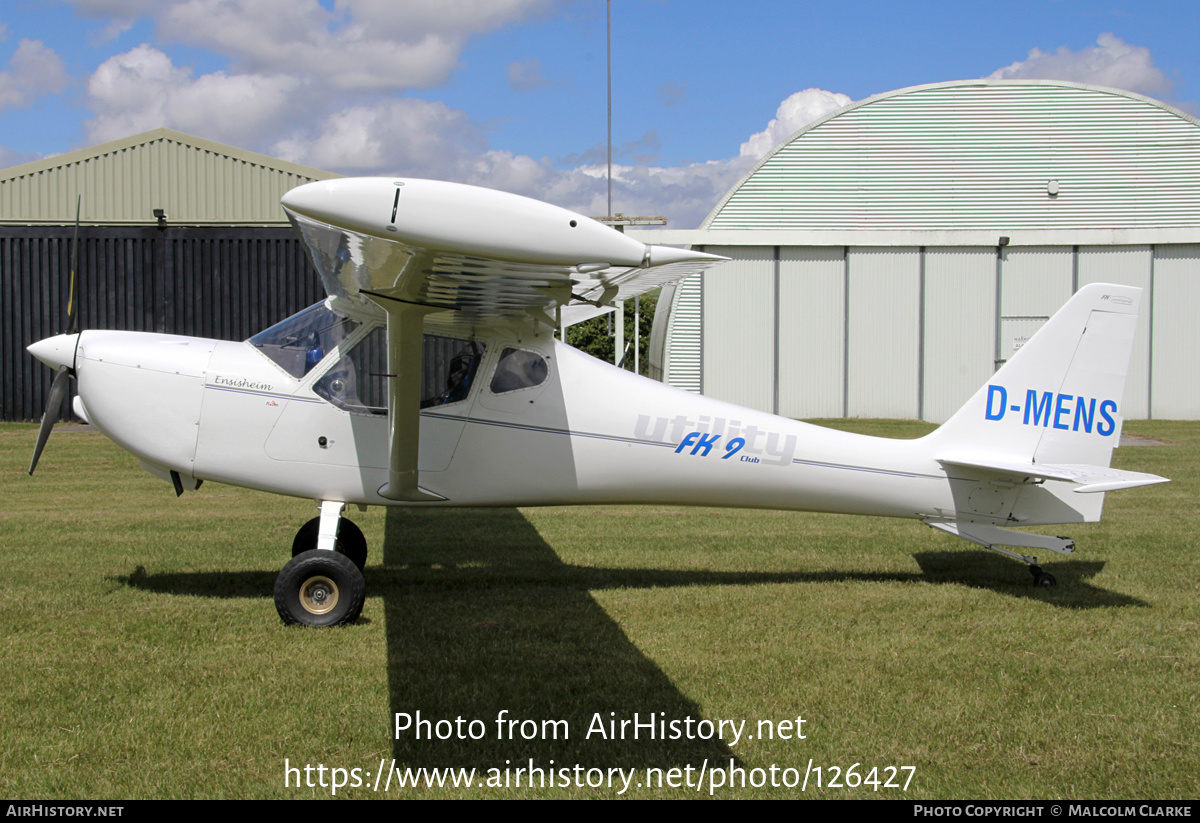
511 93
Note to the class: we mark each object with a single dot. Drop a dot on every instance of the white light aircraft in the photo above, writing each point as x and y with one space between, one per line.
431 377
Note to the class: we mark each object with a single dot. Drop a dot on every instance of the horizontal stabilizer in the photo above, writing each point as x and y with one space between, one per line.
990 537
1089 479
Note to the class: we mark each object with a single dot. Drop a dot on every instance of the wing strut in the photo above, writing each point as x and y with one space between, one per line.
405 329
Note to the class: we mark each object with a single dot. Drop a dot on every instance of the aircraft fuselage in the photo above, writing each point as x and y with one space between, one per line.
590 433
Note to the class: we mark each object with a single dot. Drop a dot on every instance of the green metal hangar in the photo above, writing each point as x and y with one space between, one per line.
890 256
177 234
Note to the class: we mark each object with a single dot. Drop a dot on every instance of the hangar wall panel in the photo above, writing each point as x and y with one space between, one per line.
683 348
1035 282
1128 266
883 313
739 327
959 322
1175 389
812 317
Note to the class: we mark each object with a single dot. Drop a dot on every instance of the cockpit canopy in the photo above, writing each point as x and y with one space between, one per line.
350 358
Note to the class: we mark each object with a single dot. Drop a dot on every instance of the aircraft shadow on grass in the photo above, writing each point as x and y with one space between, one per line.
483 617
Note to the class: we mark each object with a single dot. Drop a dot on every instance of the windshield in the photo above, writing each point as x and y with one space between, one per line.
300 342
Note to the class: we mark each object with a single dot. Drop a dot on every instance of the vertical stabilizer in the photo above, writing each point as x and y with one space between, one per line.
1058 399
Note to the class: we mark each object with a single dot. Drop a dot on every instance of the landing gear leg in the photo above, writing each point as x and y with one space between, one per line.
989 536
347 538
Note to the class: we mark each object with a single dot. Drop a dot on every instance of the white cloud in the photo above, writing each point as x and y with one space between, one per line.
319 83
1111 62
426 139
526 75
33 71
359 45
413 137
303 39
294 63
141 89
682 194
794 113
455 18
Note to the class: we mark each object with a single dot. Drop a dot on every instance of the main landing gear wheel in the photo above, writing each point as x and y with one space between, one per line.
319 588
350 540
1041 578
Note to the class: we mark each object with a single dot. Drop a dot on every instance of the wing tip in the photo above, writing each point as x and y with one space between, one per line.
664 255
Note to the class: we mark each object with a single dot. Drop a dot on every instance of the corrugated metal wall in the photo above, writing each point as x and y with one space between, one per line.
1034 283
913 332
1131 266
739 327
227 283
1173 304
683 349
811 339
959 314
883 315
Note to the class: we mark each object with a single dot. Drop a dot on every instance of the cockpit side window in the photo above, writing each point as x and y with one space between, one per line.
448 369
358 382
519 369
300 342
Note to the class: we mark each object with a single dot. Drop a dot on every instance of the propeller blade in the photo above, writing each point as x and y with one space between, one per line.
58 390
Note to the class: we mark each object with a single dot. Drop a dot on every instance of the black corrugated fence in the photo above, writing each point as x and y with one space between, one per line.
226 282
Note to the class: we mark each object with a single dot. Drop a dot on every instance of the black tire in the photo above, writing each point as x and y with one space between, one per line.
350 540
319 588
1045 580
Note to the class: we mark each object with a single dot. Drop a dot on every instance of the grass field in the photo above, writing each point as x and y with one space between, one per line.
144 659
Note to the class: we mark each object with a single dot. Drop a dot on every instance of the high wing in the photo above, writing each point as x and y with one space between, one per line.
473 256
462 258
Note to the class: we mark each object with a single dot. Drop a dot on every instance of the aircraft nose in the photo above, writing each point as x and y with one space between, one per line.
57 351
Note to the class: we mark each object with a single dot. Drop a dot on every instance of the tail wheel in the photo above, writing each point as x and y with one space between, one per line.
319 588
1042 578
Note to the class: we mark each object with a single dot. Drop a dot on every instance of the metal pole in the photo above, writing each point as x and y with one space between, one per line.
637 335
619 333
609 48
